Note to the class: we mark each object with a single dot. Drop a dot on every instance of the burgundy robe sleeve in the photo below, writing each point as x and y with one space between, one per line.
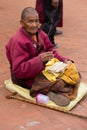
22 65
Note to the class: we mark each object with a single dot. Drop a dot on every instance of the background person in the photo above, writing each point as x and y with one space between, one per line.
51 15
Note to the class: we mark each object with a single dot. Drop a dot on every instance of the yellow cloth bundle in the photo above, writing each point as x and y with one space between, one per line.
69 74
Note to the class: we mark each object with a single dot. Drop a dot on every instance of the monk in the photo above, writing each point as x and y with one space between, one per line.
29 49
51 15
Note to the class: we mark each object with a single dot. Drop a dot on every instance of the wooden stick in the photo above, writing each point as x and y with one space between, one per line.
13 96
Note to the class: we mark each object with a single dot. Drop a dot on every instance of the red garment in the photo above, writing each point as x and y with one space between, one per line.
40 10
24 56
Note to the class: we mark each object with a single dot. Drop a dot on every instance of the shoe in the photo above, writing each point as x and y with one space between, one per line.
55 45
58 99
58 32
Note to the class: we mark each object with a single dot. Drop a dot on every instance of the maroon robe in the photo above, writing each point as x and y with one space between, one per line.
24 57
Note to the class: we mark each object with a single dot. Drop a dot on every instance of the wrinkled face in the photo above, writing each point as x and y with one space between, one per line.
31 23
55 3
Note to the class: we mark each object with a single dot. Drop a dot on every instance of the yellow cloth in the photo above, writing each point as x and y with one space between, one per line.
70 75
50 76
25 93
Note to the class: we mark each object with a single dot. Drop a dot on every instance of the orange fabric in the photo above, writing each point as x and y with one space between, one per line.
34 38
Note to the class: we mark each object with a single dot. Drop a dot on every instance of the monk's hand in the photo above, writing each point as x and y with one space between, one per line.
46 56
68 61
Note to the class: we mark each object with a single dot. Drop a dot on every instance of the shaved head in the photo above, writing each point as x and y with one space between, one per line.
28 10
30 20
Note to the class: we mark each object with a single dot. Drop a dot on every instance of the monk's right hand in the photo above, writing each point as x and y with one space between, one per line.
46 56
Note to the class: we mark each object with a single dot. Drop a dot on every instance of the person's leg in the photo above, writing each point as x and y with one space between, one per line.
58 99
60 23
46 27
51 36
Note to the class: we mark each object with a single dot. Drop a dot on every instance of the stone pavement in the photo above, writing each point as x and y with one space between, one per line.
16 115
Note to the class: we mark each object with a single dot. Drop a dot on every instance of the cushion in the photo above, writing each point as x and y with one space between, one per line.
25 93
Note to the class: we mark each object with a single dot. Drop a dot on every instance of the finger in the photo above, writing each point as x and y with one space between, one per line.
49 52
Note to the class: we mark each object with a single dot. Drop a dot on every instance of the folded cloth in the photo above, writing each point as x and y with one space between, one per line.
57 67
69 74
51 76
